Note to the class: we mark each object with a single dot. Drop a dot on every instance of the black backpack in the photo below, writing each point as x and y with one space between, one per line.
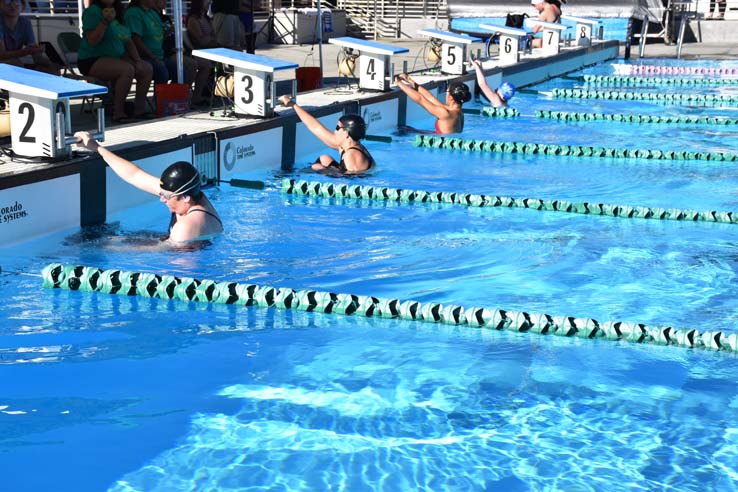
515 20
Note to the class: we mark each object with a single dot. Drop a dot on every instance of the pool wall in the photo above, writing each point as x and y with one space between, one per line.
83 191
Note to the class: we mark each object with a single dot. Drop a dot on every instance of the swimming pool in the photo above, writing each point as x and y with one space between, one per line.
129 393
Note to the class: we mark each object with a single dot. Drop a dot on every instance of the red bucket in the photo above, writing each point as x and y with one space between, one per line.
171 99
308 78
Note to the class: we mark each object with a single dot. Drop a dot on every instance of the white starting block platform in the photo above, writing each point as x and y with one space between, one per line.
40 124
584 29
254 87
374 61
551 35
453 49
510 38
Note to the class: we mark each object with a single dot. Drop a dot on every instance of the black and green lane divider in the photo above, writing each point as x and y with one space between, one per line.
628 81
378 193
455 143
92 279
492 112
677 98
636 118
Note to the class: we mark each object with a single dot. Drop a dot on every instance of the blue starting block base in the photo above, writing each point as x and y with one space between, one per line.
374 61
254 87
39 110
453 49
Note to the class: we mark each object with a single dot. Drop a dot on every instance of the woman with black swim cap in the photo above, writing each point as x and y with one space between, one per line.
193 216
449 114
351 128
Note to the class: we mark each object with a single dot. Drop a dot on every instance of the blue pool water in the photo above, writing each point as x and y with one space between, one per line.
123 393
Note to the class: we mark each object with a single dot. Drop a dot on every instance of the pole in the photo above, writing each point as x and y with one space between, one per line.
177 21
320 43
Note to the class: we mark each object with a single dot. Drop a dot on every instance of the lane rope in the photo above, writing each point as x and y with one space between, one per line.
455 143
377 193
92 279
676 98
622 68
636 118
625 81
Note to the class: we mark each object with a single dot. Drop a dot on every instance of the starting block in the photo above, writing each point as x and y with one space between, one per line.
509 42
40 124
551 35
583 29
254 87
453 49
374 67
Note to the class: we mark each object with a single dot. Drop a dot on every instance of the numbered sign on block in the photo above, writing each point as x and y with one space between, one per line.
584 28
509 42
550 35
373 72
453 49
253 79
39 110
252 91
374 61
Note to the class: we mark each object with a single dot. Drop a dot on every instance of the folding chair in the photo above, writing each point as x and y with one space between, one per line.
69 43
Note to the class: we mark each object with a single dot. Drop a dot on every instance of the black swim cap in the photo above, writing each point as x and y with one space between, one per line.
460 92
181 178
355 126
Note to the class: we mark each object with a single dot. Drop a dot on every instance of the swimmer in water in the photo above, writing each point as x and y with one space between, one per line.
497 98
350 129
193 216
449 114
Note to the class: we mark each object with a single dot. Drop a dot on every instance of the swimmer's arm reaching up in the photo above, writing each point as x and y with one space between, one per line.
492 95
128 171
311 123
421 95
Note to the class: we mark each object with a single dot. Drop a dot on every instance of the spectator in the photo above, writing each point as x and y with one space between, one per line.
548 11
718 13
195 70
18 43
228 27
107 53
147 33
246 16
199 27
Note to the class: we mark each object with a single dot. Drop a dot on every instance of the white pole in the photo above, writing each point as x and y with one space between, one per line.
177 20
320 43
80 11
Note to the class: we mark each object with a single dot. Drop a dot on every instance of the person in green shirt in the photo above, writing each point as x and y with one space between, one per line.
107 53
147 33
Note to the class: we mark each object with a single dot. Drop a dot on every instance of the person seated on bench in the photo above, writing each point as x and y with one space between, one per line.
200 28
106 52
193 217
498 98
195 70
450 115
350 129
18 43
548 11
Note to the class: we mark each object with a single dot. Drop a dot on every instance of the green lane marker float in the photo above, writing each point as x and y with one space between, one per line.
492 112
340 190
454 143
636 118
626 81
643 96
91 279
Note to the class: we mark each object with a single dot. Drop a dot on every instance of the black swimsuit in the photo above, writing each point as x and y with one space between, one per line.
173 220
341 166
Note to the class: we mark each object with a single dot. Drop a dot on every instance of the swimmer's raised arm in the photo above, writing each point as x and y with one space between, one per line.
128 171
311 123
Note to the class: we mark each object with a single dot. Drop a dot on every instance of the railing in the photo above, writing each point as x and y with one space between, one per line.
382 18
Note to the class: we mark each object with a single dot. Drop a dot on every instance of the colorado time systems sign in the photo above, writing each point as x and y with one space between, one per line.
261 150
